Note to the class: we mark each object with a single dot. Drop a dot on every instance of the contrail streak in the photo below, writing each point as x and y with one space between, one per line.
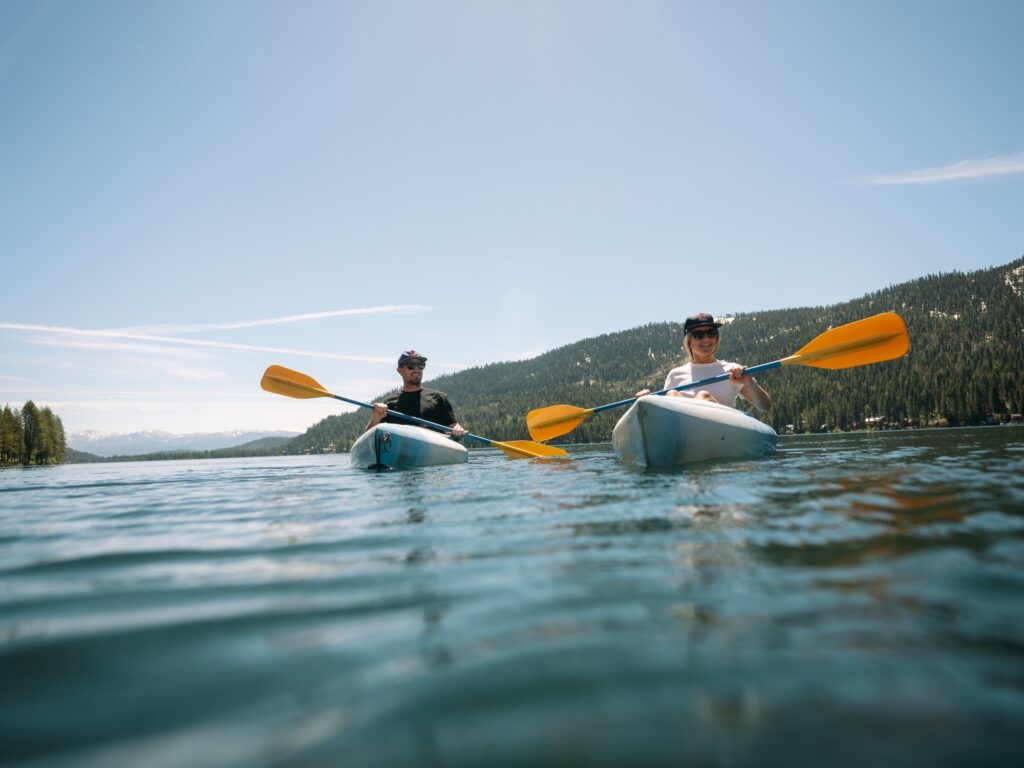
177 328
78 332
965 170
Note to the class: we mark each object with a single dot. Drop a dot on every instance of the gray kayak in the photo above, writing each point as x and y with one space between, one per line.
660 431
398 446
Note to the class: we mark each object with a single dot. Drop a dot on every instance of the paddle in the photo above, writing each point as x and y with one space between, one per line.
871 340
284 381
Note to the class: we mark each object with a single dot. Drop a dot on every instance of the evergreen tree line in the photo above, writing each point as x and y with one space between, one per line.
964 367
31 436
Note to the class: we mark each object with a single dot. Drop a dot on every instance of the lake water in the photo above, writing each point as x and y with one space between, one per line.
853 600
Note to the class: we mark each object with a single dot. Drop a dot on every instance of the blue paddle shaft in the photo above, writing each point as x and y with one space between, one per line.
413 419
721 377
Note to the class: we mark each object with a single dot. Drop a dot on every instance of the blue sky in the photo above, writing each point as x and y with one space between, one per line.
191 191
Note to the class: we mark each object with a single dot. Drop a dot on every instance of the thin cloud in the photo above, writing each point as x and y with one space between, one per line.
965 170
206 328
79 333
114 346
132 396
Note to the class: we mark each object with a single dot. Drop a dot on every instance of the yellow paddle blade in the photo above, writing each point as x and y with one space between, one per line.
871 340
285 381
523 449
555 420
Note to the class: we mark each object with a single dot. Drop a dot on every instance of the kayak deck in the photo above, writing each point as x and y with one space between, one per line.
660 431
401 446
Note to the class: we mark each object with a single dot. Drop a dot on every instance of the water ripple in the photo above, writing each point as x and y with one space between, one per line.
854 595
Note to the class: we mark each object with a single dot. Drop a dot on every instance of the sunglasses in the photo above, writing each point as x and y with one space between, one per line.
414 366
711 333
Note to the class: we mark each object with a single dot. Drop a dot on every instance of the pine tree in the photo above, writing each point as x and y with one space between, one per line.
12 436
30 422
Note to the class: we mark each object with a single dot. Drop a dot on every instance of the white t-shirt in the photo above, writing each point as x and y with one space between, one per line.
724 392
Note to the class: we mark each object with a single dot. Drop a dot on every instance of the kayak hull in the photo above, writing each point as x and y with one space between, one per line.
660 431
400 446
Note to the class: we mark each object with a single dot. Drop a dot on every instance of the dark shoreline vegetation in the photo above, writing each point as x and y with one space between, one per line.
31 436
963 369
266 446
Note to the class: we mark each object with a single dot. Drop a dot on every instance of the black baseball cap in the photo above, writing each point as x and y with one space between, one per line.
696 321
413 355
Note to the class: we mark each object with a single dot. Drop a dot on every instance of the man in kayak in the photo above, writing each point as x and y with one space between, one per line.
701 344
416 400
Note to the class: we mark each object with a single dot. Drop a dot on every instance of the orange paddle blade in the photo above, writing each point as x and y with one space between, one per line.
285 381
871 340
527 449
555 420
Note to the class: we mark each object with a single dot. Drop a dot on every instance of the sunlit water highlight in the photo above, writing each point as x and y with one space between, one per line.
853 600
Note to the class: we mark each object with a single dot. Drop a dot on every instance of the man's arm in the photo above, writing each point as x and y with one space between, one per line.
380 410
445 406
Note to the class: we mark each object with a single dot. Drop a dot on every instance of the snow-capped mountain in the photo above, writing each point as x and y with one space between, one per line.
151 441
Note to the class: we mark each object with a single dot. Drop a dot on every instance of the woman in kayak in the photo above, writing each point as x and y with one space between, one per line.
701 344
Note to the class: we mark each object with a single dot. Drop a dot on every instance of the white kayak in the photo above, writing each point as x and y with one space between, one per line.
660 431
397 446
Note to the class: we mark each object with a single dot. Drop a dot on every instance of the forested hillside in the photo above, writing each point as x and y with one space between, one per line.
964 367
265 446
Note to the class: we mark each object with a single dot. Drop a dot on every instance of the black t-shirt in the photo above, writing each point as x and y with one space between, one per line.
426 404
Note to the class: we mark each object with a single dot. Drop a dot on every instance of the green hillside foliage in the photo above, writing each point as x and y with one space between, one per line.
270 446
71 456
265 446
964 367
32 435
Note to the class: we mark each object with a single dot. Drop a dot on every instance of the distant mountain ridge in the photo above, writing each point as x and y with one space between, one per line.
265 446
156 441
964 367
